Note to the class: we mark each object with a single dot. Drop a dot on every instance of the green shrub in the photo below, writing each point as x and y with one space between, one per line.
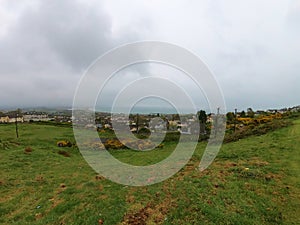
258 129
143 133
64 143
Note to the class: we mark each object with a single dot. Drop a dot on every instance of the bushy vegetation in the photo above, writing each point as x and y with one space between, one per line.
257 129
247 126
64 143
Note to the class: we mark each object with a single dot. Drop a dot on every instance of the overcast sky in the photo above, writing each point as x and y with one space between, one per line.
251 46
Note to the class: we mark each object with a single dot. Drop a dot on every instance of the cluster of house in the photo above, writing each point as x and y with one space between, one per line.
187 124
12 117
274 111
170 122
27 117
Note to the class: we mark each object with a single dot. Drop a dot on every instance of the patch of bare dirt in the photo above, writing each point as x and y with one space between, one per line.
151 213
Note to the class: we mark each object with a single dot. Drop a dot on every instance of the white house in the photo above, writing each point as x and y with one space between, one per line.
19 119
4 119
7 119
36 117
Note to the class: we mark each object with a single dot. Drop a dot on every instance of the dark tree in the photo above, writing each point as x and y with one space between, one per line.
137 122
243 114
202 116
250 113
230 116
202 119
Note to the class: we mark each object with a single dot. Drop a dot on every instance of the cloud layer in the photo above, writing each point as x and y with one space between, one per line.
251 46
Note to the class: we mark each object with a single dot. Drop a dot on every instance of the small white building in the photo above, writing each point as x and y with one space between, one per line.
36 117
7 119
19 119
4 119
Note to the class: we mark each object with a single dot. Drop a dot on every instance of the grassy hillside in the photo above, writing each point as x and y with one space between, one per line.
252 181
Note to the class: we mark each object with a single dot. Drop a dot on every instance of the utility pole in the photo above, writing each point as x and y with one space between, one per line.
235 114
16 122
137 123
217 121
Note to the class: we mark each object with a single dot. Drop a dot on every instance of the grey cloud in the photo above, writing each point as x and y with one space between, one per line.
251 46
72 31
46 50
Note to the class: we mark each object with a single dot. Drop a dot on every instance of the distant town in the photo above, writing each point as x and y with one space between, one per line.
136 122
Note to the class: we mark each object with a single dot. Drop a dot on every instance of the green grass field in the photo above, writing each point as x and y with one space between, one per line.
252 181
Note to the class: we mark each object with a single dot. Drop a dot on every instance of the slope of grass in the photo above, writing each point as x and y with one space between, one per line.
252 181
